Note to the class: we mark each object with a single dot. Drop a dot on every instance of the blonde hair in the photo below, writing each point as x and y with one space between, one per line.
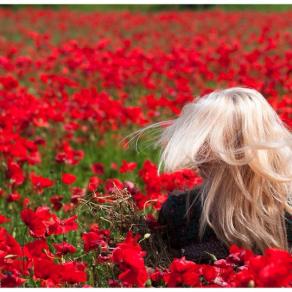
244 150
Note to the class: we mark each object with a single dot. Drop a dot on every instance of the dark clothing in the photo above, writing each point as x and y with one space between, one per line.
182 234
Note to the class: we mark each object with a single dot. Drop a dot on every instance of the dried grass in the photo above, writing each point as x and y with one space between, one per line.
121 214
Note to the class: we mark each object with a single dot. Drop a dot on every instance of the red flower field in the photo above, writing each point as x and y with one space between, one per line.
78 208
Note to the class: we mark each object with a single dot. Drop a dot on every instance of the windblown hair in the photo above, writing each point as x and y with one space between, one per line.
243 151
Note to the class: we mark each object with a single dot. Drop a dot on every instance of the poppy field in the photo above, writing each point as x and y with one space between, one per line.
78 203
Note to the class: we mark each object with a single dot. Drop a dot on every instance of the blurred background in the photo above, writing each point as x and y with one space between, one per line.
159 7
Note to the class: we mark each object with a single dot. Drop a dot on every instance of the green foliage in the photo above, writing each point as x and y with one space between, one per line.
155 7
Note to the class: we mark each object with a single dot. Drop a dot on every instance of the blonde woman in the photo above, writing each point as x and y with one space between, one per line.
243 151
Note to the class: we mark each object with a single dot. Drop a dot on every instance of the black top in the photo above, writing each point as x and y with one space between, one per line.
182 234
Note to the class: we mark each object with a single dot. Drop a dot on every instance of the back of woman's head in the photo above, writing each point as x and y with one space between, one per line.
243 150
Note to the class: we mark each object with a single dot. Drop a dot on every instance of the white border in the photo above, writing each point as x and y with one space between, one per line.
138 2
146 2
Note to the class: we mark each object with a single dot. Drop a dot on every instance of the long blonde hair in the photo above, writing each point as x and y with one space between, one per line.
244 150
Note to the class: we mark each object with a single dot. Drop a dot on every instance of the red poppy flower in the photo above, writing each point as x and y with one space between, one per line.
68 155
3 219
40 182
112 183
42 223
10 259
95 238
64 248
127 166
62 226
68 178
37 221
36 249
15 173
72 272
77 194
93 183
182 272
56 200
129 256
13 197
12 280
97 168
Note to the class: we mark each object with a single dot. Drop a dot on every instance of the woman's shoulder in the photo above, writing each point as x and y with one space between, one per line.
288 221
182 232
177 204
181 197
181 229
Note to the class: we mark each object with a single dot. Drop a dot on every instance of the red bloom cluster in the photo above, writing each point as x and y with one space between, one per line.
242 268
157 186
96 239
128 255
185 273
16 263
71 87
68 178
42 223
127 166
